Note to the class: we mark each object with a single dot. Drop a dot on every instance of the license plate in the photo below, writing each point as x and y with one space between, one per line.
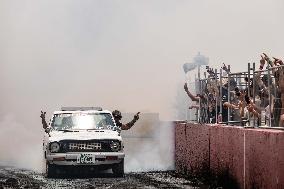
86 159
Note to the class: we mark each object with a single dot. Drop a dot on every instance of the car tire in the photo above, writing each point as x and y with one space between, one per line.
50 170
118 169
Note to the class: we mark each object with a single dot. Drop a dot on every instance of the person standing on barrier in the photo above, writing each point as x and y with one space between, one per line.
246 108
275 90
202 107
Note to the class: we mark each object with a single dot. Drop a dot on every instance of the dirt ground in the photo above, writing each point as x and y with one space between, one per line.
18 178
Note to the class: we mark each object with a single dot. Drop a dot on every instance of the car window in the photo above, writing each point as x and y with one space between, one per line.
82 121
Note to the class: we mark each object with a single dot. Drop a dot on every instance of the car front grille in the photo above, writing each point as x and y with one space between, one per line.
85 146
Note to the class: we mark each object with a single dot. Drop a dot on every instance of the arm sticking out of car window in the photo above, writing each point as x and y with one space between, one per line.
131 123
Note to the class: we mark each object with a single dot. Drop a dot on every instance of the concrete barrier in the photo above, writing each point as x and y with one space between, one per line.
264 160
226 153
243 158
180 147
197 147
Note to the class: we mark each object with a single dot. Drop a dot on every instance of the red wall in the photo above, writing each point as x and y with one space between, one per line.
226 151
254 158
264 165
180 147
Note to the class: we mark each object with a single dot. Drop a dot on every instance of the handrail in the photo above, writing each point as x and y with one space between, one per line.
248 80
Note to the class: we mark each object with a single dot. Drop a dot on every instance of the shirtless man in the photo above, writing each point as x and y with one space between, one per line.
245 106
277 99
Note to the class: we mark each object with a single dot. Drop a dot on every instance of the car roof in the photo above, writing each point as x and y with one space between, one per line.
84 111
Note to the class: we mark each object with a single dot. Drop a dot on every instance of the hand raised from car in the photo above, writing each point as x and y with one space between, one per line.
42 114
136 116
185 87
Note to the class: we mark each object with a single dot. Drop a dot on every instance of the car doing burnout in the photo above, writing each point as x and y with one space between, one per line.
85 138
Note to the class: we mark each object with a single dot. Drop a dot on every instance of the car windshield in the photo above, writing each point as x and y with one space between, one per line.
82 121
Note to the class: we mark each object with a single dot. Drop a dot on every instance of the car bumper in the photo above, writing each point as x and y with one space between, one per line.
99 158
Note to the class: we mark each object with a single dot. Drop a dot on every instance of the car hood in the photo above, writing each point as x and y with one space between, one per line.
84 135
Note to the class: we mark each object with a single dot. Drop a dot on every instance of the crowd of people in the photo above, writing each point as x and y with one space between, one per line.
248 99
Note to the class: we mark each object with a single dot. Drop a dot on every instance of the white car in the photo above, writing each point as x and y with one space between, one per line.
83 137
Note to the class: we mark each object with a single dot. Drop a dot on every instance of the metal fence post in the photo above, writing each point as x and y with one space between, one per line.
216 98
229 96
269 95
253 88
221 95
248 91
199 101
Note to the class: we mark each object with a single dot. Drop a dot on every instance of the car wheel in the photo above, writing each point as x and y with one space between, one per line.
50 170
118 169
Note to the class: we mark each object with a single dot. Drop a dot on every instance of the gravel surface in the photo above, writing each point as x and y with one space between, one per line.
18 178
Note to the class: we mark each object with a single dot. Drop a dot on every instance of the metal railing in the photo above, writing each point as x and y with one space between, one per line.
254 97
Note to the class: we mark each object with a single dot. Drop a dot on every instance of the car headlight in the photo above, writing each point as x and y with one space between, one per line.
115 146
54 147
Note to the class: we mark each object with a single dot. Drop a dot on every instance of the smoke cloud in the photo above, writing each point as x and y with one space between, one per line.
19 147
151 154
122 55
198 60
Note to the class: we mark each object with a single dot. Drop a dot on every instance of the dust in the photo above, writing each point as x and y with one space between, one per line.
152 153
19 147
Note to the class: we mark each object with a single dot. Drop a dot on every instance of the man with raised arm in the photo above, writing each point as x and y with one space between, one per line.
42 116
117 117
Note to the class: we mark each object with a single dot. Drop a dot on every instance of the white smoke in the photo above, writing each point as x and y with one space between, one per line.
110 54
151 154
183 102
19 146
198 60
